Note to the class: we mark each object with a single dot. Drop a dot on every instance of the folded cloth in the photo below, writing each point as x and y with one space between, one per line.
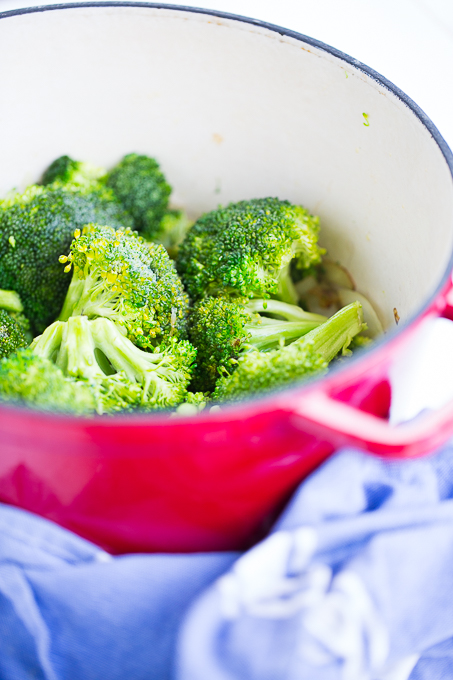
355 582
70 611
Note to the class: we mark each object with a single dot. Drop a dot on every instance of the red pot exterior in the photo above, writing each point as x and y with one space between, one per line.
214 481
172 486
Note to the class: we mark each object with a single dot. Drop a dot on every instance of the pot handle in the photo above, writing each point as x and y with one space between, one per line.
347 426
339 423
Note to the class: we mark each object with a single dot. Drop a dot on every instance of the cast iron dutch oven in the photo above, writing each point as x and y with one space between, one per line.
232 108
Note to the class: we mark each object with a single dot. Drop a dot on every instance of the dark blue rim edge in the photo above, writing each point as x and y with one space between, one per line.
416 110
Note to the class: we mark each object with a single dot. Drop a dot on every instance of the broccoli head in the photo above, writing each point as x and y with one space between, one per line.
256 372
139 184
78 174
35 228
246 249
121 375
12 336
26 378
222 329
119 276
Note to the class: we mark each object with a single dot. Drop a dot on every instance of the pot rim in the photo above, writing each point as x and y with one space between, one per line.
271 400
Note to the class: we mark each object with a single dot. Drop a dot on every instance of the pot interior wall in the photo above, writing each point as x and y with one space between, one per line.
234 111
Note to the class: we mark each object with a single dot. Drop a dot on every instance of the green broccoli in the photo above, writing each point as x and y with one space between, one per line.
12 336
35 228
67 172
119 276
139 184
173 228
256 372
120 374
10 301
194 403
246 249
29 379
221 329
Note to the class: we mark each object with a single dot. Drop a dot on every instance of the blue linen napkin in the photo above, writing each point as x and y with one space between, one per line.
70 611
355 581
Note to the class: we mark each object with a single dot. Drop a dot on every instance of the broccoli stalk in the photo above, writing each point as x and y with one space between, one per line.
267 334
121 375
286 290
222 329
276 309
284 324
310 355
336 334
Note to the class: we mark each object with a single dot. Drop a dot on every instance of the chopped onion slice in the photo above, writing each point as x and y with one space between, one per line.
337 275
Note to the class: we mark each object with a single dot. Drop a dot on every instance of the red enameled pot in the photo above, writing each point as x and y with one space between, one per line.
233 109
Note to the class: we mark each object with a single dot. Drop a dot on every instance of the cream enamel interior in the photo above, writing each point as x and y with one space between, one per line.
234 111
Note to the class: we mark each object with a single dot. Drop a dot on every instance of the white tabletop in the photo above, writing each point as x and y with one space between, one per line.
410 42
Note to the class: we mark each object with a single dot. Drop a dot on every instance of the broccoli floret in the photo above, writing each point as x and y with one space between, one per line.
119 276
222 329
68 172
24 325
139 184
256 372
12 336
10 301
29 379
120 374
246 249
173 228
194 403
35 228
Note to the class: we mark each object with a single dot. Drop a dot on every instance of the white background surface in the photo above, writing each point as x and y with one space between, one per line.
410 42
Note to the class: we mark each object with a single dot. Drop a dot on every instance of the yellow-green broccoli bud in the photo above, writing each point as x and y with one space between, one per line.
119 276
